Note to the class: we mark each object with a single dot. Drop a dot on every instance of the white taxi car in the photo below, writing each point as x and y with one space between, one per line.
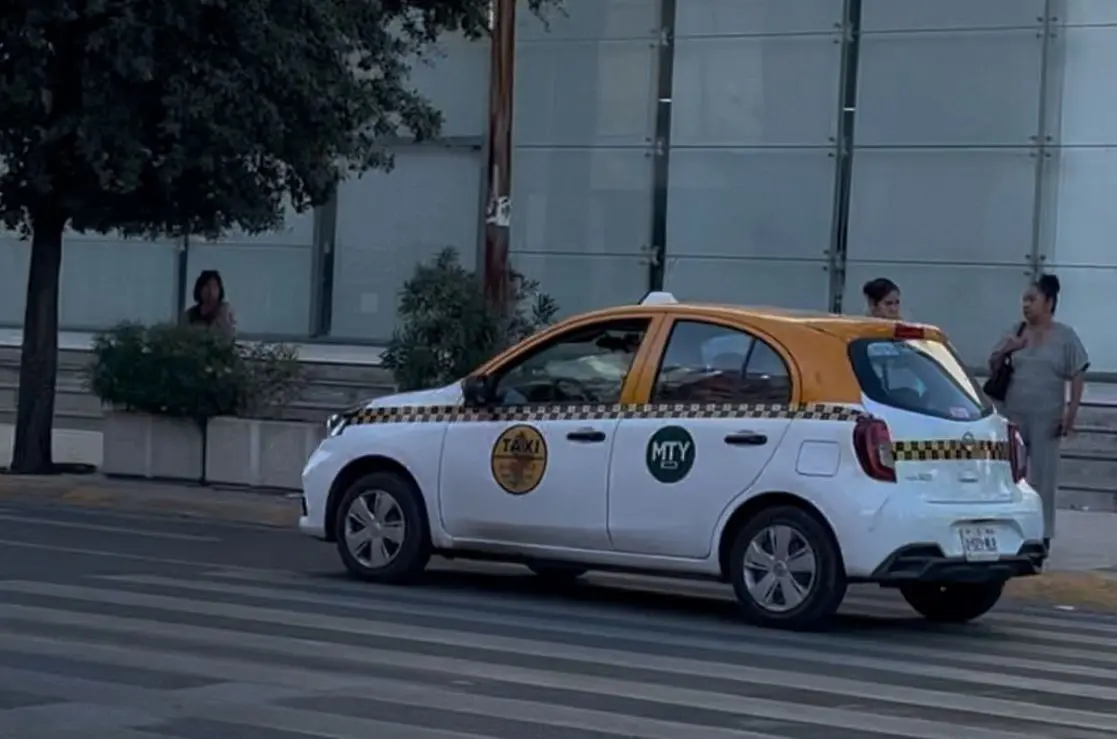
788 454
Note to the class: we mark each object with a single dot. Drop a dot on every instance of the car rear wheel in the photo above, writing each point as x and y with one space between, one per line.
558 574
382 531
786 570
952 602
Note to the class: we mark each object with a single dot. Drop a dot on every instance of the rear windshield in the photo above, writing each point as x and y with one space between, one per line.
918 375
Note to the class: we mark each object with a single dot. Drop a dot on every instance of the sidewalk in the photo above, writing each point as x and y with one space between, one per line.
1082 571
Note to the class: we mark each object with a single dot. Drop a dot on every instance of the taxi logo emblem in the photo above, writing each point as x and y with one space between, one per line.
670 454
519 459
969 442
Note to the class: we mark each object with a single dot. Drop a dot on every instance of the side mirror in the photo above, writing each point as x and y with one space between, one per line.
477 390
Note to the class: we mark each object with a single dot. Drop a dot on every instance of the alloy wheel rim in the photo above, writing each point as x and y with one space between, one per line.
780 568
374 529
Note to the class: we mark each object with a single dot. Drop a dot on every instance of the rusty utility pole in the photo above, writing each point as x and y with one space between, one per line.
498 207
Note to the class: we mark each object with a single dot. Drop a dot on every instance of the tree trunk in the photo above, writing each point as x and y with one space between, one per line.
38 364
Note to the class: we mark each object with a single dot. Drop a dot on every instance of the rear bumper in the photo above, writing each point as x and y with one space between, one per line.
872 534
927 563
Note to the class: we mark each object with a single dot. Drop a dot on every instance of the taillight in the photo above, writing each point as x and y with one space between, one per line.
1017 453
872 443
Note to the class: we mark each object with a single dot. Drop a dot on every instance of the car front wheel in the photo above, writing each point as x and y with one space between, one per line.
382 531
952 602
786 570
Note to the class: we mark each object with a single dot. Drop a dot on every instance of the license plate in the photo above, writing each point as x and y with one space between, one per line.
979 542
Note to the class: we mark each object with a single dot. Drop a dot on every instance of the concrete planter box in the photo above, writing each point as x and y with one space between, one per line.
257 453
155 447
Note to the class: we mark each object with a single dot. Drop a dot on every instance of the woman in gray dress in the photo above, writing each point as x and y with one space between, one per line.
1046 357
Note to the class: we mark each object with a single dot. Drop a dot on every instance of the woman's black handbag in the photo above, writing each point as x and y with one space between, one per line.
996 387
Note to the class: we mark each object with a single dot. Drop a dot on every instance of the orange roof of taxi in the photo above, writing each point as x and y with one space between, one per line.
841 326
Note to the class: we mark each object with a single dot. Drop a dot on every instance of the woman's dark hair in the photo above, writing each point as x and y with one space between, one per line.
879 289
203 279
1048 286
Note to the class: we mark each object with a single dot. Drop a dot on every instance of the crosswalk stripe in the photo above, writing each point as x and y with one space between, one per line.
745 706
984 644
683 641
443 600
542 650
448 652
1050 643
184 702
423 696
873 599
398 692
586 656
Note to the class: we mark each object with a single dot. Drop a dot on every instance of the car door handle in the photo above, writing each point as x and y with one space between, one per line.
586 435
746 438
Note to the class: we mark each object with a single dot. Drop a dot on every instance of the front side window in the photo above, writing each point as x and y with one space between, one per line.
586 365
917 375
708 363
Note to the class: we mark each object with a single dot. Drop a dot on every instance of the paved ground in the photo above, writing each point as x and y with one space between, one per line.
132 626
1081 573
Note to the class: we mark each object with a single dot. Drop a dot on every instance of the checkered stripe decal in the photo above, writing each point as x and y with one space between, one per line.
949 450
583 412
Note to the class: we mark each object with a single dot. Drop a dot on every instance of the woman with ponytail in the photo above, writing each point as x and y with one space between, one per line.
883 298
1046 357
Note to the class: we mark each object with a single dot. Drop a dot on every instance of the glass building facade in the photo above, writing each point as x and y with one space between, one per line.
777 152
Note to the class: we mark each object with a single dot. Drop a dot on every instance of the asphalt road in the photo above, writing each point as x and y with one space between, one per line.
133 627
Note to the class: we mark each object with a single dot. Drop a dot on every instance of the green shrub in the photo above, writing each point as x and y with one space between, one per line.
446 328
189 372
270 377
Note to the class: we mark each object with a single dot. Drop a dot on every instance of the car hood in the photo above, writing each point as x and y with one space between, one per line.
449 395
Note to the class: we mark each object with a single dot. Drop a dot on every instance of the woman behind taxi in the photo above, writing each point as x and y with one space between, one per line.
1046 356
210 308
883 298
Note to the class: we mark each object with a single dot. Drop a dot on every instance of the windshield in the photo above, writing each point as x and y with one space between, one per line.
918 375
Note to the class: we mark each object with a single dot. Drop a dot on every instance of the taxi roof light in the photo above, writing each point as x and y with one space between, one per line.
658 297
907 331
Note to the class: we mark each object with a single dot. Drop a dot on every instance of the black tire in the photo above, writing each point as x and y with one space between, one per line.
952 602
557 574
825 590
410 557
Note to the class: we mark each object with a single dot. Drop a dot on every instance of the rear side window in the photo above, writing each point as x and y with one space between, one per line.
709 363
918 375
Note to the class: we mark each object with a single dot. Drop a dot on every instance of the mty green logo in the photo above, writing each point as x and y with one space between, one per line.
670 454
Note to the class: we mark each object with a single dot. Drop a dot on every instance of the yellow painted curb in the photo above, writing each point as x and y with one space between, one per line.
87 495
1093 590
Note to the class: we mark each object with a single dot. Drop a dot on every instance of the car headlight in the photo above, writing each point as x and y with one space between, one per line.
335 424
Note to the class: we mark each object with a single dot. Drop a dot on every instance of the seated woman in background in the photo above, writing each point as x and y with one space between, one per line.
883 297
210 308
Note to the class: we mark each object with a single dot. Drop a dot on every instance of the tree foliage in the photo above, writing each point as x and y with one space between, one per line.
164 117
